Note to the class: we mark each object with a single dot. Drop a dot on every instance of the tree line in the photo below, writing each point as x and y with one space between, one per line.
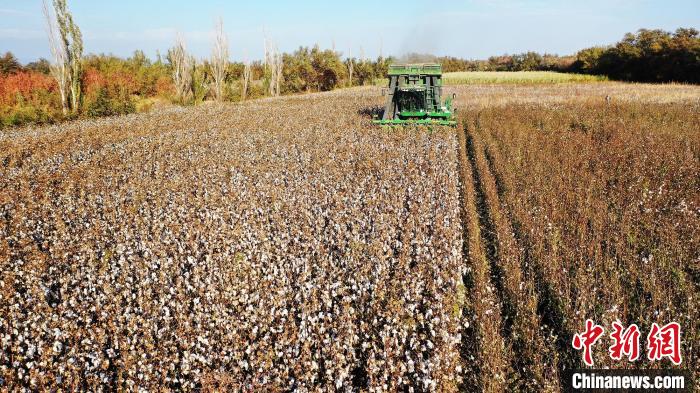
647 56
527 61
73 85
644 56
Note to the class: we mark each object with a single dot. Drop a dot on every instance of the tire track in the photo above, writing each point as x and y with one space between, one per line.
483 351
549 305
520 326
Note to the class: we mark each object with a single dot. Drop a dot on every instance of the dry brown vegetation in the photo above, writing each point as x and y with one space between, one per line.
589 208
286 244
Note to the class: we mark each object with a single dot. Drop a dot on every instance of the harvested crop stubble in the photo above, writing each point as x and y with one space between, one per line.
272 245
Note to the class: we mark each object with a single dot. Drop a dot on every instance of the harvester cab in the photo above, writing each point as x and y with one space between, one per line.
414 96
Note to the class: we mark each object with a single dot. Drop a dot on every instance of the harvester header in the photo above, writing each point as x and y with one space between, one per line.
415 96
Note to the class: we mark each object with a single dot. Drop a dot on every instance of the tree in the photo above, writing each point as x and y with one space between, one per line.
381 66
273 67
41 66
329 70
351 66
66 43
9 64
201 80
73 42
139 60
246 79
587 59
647 56
365 72
182 68
500 63
298 71
219 60
60 68
76 57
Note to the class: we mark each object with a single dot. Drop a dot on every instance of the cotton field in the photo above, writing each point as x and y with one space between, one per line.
286 244
242 247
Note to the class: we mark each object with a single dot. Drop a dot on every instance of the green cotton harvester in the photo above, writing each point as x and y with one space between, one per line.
414 96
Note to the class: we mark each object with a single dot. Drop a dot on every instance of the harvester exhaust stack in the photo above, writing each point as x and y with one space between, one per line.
415 96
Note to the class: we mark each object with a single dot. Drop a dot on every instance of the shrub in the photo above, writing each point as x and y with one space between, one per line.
103 104
164 87
9 64
24 114
25 86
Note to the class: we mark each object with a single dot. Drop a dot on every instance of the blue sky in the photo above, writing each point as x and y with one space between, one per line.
470 29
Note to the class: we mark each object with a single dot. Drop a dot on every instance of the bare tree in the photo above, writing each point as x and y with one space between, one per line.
246 78
265 49
59 50
269 66
278 71
183 67
66 44
219 60
76 62
273 61
351 66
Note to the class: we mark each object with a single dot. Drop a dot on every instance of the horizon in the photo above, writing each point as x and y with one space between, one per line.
361 30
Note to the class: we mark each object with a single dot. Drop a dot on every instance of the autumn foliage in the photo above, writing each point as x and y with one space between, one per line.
110 86
25 86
